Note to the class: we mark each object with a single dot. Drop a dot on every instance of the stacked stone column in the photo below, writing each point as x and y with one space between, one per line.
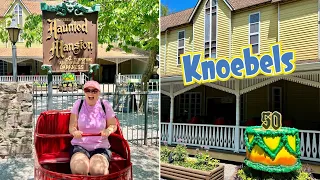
16 126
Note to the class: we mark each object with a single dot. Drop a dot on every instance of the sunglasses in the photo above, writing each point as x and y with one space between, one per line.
94 91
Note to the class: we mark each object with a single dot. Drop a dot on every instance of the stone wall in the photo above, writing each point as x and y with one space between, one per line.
16 125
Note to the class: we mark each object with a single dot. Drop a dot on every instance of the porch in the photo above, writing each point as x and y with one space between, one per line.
214 115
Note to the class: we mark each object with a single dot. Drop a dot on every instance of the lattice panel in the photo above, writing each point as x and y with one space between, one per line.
311 77
245 83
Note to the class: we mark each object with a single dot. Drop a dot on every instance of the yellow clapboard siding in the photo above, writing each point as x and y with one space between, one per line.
172 49
299 28
268 28
223 29
162 54
199 28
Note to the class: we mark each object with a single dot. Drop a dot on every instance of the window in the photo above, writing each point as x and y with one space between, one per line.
190 104
254 32
18 19
277 99
210 32
181 39
3 68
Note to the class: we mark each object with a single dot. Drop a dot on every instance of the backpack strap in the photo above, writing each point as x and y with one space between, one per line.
81 102
102 105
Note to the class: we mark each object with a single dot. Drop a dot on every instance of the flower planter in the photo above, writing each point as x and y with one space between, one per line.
177 172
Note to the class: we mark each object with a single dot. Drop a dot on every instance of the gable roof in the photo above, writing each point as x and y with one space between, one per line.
32 6
180 18
175 19
5 5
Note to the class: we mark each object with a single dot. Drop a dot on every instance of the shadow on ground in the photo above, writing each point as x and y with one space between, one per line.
17 169
145 160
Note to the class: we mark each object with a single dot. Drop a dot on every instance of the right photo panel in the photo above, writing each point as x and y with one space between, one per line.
240 89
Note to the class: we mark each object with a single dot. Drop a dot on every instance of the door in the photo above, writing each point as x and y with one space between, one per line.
108 73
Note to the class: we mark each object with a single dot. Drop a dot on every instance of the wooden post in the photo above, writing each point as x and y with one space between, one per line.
237 128
170 129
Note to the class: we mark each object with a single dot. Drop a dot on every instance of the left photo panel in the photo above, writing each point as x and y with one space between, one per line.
79 89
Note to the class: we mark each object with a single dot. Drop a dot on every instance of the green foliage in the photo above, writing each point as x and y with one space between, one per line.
180 153
247 173
68 77
202 161
164 10
4 23
164 153
36 83
32 30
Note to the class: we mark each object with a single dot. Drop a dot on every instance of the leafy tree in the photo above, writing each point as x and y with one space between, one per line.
164 10
4 23
129 24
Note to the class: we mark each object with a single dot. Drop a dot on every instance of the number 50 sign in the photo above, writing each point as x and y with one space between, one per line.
271 120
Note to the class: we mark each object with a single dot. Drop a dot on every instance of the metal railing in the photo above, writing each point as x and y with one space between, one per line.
139 125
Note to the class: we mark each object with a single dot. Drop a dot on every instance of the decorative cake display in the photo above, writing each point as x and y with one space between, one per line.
272 148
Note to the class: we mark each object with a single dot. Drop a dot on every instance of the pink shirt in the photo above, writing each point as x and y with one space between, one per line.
92 119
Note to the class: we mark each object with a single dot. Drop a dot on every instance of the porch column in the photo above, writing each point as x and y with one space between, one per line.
117 70
237 128
170 129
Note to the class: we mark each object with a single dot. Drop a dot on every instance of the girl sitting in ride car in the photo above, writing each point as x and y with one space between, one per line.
91 155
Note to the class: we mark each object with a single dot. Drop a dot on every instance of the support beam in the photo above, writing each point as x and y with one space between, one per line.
170 128
188 88
117 68
165 93
237 128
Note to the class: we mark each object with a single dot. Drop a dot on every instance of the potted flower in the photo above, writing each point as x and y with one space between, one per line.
176 164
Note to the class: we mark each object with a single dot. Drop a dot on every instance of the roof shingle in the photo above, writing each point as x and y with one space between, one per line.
240 4
175 19
182 17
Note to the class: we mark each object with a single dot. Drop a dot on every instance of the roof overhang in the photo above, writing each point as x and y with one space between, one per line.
300 68
13 3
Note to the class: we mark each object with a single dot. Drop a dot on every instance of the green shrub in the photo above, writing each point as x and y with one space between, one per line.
202 161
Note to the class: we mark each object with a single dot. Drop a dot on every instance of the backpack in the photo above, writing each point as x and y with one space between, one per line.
101 101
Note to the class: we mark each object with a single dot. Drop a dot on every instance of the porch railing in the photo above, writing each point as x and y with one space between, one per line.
223 137
126 77
41 78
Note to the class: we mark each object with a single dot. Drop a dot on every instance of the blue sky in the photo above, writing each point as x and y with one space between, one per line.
179 5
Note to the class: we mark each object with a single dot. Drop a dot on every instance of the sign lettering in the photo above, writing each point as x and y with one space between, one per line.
69 39
195 69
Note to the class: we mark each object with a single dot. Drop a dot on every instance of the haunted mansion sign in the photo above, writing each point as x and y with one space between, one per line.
69 36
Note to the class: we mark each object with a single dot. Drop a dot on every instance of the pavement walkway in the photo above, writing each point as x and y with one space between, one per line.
145 162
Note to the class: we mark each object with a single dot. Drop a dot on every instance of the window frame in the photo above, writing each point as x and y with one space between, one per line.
210 29
273 98
255 33
183 103
183 47
17 17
